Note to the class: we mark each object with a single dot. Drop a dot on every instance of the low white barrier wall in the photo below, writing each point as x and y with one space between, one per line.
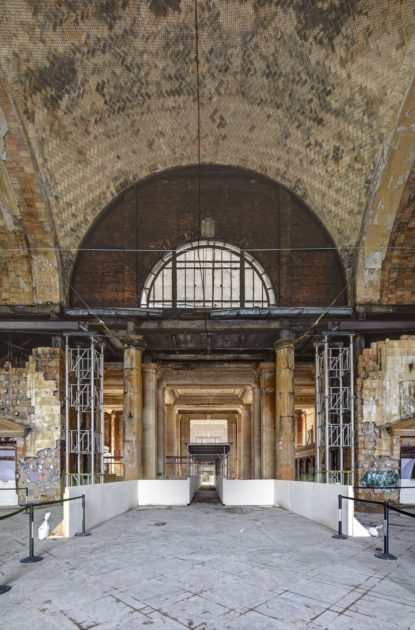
163 492
8 494
103 501
193 486
246 491
407 495
319 502
219 487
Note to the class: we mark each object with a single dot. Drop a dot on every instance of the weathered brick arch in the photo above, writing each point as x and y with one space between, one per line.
398 269
249 211
29 263
383 215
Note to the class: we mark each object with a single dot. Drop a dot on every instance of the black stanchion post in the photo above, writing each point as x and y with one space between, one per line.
386 555
83 532
31 557
4 589
340 534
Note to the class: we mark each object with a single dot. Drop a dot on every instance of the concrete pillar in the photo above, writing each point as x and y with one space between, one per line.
246 442
232 438
133 409
284 409
238 445
268 441
160 432
256 433
169 437
149 421
184 441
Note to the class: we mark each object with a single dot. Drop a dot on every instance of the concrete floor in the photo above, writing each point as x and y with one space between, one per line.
206 567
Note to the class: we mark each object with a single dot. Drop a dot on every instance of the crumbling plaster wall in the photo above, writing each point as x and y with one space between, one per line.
307 93
33 397
385 390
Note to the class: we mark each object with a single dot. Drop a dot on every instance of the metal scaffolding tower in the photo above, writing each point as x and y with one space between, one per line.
335 410
84 395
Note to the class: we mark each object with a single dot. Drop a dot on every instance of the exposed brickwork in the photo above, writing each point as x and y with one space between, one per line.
28 262
385 393
32 396
398 277
307 93
138 220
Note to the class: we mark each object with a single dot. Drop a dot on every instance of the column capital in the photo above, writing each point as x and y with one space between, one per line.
138 342
283 343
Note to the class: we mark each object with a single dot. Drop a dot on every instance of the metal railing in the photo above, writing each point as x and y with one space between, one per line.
83 479
114 466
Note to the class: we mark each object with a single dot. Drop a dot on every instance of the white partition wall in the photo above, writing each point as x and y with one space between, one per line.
246 491
102 501
163 492
8 494
319 502
193 486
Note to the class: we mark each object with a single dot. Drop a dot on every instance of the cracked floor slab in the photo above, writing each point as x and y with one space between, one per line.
208 568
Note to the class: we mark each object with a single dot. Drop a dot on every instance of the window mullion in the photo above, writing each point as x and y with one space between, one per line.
174 280
242 280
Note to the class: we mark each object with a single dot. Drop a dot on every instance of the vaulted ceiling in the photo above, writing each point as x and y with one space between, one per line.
97 95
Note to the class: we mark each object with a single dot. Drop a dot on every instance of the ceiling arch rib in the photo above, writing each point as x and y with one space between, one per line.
29 270
383 211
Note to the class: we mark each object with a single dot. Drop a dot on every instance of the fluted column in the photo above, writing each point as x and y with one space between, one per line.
268 441
284 409
246 443
169 438
149 371
160 432
133 409
256 433
232 438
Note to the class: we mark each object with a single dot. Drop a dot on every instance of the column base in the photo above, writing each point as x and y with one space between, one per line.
4 589
386 556
31 559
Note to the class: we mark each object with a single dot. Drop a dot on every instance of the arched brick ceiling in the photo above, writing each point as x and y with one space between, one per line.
398 271
305 92
248 210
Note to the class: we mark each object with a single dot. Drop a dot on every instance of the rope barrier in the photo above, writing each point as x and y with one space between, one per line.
385 555
2 518
29 509
395 509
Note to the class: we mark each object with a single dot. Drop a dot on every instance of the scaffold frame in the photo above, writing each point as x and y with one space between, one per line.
84 413
335 413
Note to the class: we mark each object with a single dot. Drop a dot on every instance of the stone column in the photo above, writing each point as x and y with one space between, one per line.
238 417
268 441
233 455
246 443
256 433
284 409
184 441
133 410
169 437
160 432
149 421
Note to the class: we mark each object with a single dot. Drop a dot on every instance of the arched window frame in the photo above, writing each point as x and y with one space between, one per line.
250 285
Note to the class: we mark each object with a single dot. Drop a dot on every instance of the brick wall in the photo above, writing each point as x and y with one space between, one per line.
33 396
385 391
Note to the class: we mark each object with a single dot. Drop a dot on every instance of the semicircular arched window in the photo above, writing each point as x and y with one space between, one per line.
207 274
